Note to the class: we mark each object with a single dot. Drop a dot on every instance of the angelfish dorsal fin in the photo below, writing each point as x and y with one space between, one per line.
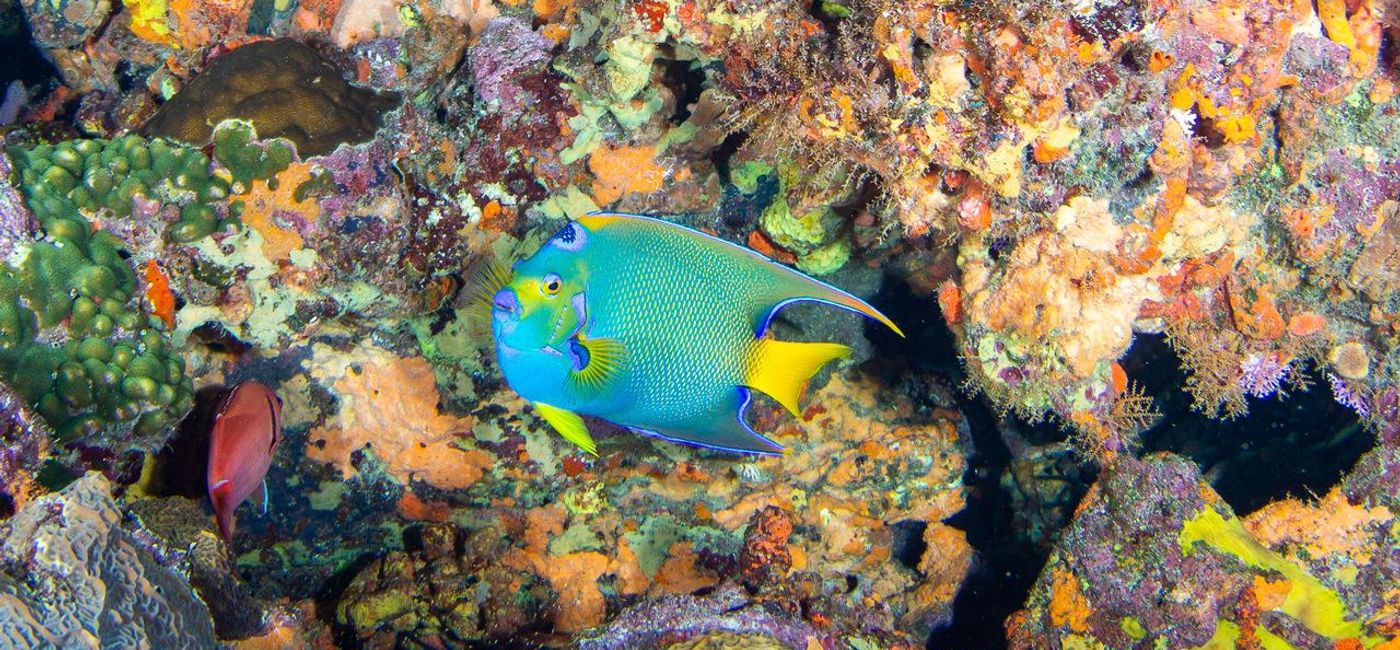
569 425
600 360
781 368
780 285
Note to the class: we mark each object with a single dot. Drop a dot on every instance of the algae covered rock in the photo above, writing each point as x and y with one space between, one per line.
438 596
284 88
71 576
1156 559
23 437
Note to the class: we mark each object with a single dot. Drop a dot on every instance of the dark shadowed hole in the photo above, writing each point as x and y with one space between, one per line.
908 545
686 81
23 60
1006 565
1295 445
721 155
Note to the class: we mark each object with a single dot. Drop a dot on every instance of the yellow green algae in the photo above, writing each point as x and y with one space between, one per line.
1308 600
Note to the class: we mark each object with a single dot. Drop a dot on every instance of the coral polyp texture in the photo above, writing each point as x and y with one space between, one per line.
80 339
302 192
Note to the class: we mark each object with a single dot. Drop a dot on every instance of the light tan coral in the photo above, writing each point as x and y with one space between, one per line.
1060 286
1350 360
1060 289
360 20
390 405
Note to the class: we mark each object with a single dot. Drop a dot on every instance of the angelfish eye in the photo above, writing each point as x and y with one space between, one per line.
551 284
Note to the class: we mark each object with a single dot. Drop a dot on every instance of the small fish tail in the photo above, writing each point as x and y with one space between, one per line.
781 369
224 516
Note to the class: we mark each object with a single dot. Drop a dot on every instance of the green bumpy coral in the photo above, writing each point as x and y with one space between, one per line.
237 148
75 337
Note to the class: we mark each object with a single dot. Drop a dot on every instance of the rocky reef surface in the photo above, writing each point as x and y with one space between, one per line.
294 192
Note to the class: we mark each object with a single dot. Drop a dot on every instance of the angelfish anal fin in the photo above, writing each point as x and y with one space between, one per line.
723 428
264 500
781 369
569 425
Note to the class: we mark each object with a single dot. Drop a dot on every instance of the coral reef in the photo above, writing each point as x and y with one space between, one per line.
765 613
1056 179
438 596
1296 574
644 520
73 576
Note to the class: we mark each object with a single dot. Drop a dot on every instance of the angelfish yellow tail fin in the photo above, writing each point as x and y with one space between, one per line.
569 425
781 368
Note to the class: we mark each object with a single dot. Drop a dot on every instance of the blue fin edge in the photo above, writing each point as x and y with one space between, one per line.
747 397
773 313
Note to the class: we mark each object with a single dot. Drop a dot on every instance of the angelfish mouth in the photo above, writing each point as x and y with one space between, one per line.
505 303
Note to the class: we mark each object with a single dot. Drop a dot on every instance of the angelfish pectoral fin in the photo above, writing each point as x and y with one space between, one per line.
781 369
569 425
597 362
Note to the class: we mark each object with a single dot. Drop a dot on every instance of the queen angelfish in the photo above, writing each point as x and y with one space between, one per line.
658 328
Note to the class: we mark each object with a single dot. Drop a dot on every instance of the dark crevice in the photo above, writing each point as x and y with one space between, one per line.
724 152
1007 564
1294 445
908 545
24 61
686 80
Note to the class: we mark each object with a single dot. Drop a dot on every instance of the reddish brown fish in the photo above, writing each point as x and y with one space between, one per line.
246 430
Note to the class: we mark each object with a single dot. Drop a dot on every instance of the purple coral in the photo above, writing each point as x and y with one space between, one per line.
1347 396
21 436
508 51
1388 413
1261 374
15 220
728 609
1355 189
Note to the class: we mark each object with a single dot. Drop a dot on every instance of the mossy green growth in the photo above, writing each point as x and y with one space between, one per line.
814 235
75 338
237 148
1308 601
827 259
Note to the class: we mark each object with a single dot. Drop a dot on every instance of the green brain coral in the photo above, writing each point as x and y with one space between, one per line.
75 337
